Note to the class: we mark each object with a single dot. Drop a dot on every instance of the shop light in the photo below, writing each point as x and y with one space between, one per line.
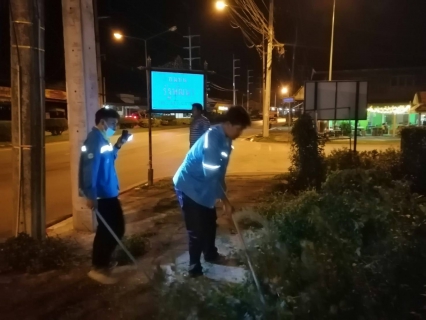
390 109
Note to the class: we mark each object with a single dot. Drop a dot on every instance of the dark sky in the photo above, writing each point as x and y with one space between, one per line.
369 34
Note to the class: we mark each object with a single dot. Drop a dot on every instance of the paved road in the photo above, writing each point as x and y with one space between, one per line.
169 148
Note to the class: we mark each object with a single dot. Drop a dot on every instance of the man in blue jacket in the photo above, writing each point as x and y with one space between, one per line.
200 182
98 183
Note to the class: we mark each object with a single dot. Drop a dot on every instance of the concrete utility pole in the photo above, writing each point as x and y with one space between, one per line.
82 92
330 71
28 114
234 75
293 65
248 88
102 97
267 101
190 48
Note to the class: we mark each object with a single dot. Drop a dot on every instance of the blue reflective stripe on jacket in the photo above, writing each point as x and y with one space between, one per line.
202 174
97 175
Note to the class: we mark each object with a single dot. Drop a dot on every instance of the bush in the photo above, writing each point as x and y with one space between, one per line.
204 299
138 244
388 161
413 149
5 131
353 250
307 158
346 128
25 254
56 126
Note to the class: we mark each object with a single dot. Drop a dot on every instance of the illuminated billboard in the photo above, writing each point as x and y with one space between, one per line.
176 91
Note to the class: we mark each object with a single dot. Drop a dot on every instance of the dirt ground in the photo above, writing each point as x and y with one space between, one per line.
70 294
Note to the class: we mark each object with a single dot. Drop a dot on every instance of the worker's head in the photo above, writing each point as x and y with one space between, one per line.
197 110
107 120
236 120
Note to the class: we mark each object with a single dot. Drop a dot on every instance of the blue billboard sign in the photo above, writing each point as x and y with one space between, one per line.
174 91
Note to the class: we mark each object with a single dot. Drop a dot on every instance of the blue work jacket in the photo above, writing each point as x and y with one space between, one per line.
202 174
97 175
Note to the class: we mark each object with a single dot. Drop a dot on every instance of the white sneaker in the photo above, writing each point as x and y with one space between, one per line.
102 277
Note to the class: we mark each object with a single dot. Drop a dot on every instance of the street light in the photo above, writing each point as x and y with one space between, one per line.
119 36
284 90
220 5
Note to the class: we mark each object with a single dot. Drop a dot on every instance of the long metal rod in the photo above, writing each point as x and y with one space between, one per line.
243 243
120 243
330 71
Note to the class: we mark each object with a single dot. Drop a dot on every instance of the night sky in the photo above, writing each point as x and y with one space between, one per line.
369 34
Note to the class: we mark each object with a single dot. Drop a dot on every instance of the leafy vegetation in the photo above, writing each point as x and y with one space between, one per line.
307 160
413 149
353 250
26 254
138 244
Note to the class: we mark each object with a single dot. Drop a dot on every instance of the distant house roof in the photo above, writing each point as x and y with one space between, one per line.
419 102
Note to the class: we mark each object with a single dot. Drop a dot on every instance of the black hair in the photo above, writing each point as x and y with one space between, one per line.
238 116
198 106
104 114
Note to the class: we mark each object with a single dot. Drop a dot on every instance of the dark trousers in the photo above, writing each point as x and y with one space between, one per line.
104 243
200 224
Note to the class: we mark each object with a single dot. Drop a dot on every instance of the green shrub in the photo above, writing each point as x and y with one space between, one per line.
346 128
203 299
307 156
56 126
353 250
413 149
5 131
138 244
388 161
25 254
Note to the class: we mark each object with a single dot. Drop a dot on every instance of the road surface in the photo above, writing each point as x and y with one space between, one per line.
169 149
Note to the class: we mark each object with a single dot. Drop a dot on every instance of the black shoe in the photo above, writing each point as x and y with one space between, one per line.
217 259
195 274
195 271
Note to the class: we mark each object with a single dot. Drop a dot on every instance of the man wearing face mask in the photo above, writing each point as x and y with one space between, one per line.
98 183
200 182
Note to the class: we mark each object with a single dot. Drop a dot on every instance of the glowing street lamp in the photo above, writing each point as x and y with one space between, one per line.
221 5
284 90
118 35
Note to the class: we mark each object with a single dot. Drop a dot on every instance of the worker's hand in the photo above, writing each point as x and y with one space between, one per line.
91 204
228 209
125 136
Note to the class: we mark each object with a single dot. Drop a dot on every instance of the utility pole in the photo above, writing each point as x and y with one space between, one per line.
332 43
82 93
28 114
190 48
267 101
234 75
293 65
102 97
248 88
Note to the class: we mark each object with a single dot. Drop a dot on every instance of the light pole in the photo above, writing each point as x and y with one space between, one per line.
253 18
332 43
120 36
